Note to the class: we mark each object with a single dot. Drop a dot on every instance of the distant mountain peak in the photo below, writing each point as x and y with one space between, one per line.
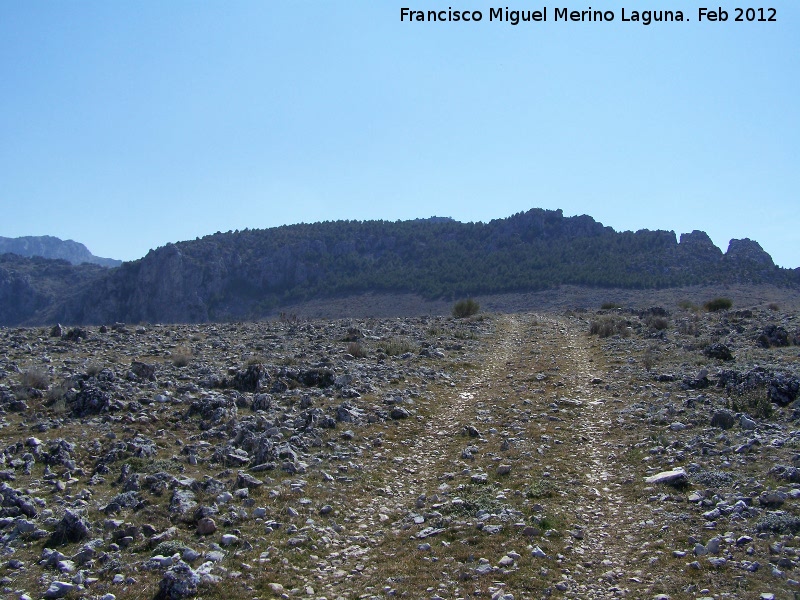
48 246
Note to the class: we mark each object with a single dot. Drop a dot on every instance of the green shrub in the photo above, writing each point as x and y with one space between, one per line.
656 323
465 308
610 305
753 400
718 304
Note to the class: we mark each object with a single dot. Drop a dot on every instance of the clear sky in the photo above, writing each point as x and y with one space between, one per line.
126 125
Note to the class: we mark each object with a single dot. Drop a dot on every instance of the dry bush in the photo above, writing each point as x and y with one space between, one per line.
93 369
690 326
396 346
649 358
607 326
182 356
36 378
357 350
656 323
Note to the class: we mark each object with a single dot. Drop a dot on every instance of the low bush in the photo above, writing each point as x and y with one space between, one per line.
357 350
610 305
182 356
396 346
465 308
656 323
718 304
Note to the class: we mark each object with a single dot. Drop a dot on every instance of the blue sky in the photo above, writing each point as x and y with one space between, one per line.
127 125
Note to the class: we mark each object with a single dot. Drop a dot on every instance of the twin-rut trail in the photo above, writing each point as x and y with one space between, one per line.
538 406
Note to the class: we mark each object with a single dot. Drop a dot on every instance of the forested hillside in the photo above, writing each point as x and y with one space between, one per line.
245 274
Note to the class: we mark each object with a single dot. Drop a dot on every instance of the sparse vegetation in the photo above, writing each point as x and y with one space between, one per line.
368 470
649 358
465 308
396 346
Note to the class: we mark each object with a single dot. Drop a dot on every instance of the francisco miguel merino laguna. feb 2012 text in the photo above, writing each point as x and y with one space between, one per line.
643 17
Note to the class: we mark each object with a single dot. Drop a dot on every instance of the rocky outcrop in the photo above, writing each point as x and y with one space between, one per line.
748 251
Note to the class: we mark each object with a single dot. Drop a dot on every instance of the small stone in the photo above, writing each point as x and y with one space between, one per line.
772 499
717 562
747 423
724 419
674 477
59 589
503 469
206 526
538 552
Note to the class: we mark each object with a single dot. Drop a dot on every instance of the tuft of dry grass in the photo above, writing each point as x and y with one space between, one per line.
357 350
36 378
182 356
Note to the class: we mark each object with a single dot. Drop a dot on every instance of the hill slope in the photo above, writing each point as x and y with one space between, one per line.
246 274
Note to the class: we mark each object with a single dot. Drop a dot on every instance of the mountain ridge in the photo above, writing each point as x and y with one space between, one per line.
247 274
48 246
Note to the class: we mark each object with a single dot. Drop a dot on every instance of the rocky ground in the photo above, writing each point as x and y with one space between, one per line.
649 453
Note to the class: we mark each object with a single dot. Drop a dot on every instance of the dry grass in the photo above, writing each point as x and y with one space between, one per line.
606 326
36 377
182 356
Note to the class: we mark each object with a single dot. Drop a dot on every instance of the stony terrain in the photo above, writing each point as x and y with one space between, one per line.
501 456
